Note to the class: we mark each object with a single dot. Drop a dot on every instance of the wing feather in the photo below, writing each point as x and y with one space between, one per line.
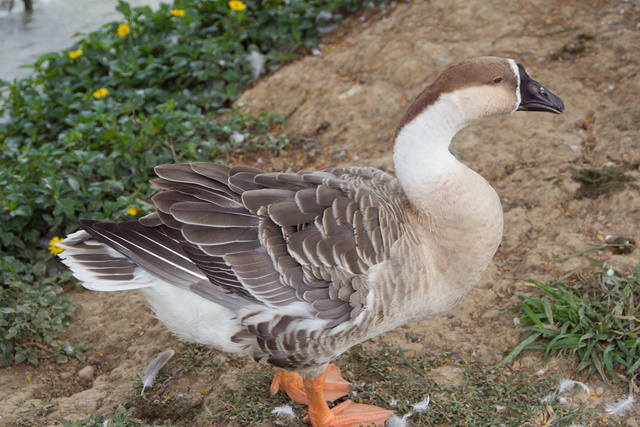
265 239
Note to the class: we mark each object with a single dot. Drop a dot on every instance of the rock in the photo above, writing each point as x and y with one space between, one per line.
65 375
87 372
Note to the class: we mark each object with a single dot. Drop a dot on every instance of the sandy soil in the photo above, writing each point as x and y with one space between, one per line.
587 52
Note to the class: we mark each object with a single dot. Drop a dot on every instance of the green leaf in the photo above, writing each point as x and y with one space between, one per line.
608 361
295 32
6 353
67 207
518 349
32 357
634 367
531 315
548 312
124 8
146 11
73 183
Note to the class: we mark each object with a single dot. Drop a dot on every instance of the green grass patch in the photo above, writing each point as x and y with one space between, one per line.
592 317
389 379
603 181
120 417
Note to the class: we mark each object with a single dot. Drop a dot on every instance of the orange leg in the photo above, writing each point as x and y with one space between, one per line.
346 414
291 383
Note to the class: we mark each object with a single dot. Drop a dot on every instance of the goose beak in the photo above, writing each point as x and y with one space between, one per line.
535 97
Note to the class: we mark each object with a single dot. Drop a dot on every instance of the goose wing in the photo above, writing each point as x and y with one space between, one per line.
275 239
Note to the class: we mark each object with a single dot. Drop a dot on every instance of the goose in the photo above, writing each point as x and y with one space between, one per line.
293 269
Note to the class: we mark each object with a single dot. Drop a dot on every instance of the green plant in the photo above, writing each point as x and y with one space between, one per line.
121 417
595 318
388 378
251 403
63 350
33 309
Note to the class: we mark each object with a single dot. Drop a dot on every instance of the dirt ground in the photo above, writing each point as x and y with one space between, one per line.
344 103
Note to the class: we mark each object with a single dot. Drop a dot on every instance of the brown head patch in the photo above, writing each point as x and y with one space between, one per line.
472 72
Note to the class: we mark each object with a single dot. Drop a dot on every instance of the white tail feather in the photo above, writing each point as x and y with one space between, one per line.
90 278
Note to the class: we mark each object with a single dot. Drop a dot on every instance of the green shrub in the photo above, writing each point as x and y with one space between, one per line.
33 310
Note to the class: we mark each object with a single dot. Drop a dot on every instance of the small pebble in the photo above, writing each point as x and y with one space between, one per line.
87 372
599 390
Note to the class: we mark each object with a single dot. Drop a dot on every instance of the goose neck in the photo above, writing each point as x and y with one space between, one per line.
421 153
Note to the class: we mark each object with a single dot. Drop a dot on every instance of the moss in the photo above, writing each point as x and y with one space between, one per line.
603 181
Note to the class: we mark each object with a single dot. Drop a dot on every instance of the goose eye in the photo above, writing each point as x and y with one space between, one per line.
497 80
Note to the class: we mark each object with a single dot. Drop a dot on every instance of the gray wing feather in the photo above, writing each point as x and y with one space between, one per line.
276 238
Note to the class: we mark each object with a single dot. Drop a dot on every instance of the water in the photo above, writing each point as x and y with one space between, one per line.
50 27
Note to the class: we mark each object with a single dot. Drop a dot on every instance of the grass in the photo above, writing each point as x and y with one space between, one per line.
389 378
80 136
603 181
593 318
482 398
120 417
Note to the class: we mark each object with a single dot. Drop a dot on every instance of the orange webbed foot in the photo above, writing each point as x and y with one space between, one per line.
346 414
351 414
291 383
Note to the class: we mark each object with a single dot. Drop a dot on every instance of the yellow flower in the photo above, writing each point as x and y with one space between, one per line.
75 54
177 12
123 30
236 5
100 93
133 211
53 248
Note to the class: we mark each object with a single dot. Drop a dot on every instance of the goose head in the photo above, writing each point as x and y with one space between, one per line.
481 87
460 95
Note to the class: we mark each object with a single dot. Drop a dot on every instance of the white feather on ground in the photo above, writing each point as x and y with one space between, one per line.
284 411
422 406
621 406
396 421
568 385
548 398
154 367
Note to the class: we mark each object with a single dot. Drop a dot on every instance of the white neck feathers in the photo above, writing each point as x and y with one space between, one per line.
421 153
